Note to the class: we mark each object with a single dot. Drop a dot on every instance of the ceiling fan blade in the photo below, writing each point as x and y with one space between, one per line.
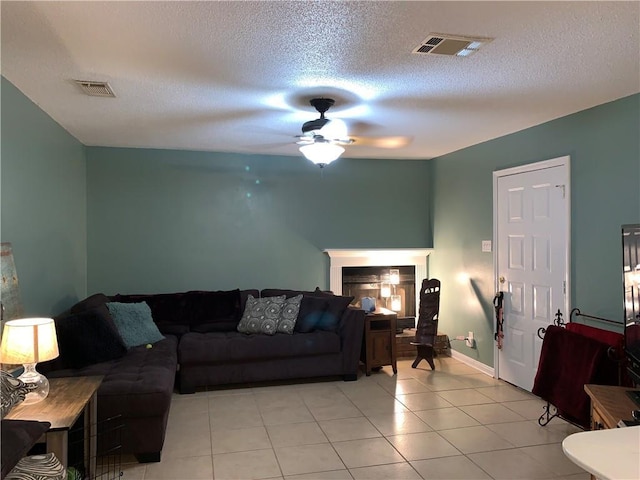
382 142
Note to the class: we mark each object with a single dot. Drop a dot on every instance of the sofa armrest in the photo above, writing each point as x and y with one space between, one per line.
351 329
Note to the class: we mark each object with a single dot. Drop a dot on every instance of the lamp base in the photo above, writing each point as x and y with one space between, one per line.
30 375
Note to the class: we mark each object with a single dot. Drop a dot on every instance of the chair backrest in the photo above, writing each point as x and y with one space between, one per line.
427 328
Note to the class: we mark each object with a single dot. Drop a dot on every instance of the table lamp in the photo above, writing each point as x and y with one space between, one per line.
29 341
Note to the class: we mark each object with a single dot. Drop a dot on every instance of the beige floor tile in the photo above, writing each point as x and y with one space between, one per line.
449 468
236 402
529 409
308 459
182 443
423 401
505 393
458 368
239 440
256 464
523 434
183 424
333 475
398 423
294 434
447 382
475 439
282 416
363 389
189 405
510 465
186 468
446 418
395 471
553 458
365 453
332 412
403 387
468 396
491 413
286 398
224 421
479 380
421 446
379 405
349 429
324 398
229 423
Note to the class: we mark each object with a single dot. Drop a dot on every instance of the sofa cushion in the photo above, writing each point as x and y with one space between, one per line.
135 323
334 308
91 301
289 315
167 309
138 384
216 311
261 315
311 311
87 337
235 347
18 436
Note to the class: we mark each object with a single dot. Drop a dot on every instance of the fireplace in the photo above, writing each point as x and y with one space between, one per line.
392 287
368 273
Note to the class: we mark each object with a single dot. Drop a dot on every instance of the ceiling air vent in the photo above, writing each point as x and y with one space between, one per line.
96 89
454 45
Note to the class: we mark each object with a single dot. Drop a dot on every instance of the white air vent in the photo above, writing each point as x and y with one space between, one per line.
455 45
96 89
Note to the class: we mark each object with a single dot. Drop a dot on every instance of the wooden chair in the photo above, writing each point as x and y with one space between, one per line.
427 328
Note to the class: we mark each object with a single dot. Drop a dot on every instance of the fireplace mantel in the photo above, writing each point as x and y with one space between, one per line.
354 257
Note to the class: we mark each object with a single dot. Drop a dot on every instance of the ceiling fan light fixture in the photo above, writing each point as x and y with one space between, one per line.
322 153
334 129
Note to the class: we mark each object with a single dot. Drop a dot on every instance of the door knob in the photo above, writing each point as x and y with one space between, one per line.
502 279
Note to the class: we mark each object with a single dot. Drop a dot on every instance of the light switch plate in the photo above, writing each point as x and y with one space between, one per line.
486 246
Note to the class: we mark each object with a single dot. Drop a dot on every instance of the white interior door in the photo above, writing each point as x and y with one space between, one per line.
531 212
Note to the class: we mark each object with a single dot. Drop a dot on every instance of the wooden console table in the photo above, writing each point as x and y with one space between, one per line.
609 405
67 399
379 340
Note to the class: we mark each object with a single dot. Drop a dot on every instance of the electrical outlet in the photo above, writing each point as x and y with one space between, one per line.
469 341
486 246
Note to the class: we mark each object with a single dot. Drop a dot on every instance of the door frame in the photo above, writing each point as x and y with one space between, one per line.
564 162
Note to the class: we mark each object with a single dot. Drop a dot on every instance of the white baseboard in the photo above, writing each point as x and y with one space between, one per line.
481 367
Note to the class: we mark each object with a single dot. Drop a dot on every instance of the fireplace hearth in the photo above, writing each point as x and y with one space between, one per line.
370 273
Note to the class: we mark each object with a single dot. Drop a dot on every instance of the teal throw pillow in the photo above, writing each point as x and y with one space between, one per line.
134 323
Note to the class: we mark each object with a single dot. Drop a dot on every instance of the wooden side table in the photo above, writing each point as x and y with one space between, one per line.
609 405
379 340
67 399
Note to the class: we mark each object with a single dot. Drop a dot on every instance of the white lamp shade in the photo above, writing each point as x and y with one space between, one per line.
322 153
29 340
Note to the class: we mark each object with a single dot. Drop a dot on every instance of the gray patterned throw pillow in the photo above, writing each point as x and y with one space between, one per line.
12 392
261 315
289 315
38 467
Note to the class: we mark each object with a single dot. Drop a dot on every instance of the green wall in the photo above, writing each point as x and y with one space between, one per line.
42 205
163 221
603 143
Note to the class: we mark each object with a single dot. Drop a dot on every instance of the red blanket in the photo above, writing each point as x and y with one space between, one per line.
568 361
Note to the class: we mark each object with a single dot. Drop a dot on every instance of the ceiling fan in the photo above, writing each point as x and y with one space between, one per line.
322 139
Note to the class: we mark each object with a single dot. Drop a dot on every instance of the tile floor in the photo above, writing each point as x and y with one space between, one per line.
451 423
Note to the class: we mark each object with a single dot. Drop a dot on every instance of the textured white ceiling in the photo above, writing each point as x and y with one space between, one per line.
237 76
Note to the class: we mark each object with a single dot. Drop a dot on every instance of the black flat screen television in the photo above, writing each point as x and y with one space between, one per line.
631 284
